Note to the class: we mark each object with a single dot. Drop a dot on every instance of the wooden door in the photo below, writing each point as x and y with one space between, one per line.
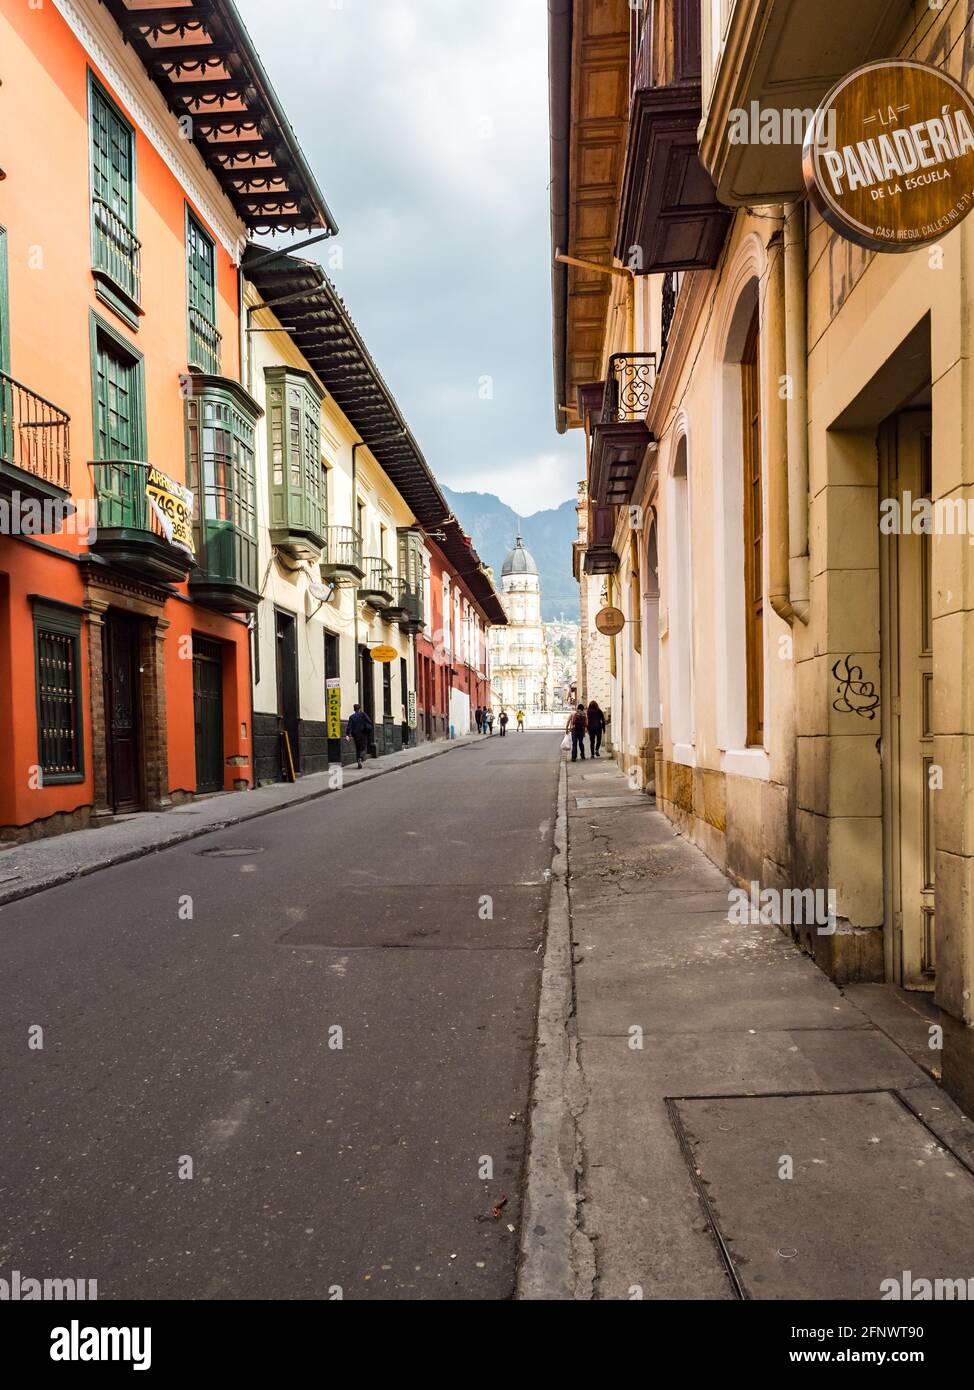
123 731
908 657
753 536
208 714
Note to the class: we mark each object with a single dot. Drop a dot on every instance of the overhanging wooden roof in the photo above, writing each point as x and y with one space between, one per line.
590 88
466 564
308 305
203 61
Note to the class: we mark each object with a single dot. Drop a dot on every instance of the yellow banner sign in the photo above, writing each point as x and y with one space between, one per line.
173 507
334 709
384 654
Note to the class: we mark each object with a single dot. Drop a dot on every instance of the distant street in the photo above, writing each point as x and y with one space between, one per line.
408 914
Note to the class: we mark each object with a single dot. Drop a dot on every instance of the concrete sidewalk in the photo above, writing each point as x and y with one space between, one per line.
30 868
734 1125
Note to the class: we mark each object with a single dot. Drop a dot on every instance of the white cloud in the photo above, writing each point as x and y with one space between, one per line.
426 124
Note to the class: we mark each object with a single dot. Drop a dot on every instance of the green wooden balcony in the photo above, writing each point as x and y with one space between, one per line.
221 422
405 606
35 453
128 533
204 343
117 254
226 577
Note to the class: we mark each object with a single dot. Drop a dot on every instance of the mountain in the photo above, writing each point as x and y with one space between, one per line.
492 526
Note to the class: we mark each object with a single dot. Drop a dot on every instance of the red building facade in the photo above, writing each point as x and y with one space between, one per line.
452 675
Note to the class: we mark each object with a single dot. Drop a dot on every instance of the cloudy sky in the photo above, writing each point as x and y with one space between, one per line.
426 122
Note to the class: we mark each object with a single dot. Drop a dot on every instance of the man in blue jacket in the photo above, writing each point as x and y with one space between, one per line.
359 730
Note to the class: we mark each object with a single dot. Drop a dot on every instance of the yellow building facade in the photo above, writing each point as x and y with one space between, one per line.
756 392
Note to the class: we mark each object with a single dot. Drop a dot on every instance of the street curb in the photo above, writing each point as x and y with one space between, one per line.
126 856
546 1268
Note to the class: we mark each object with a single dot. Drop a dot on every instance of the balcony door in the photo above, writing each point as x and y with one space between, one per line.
908 734
123 721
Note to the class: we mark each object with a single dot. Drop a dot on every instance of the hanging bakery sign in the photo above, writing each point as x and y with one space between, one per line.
889 156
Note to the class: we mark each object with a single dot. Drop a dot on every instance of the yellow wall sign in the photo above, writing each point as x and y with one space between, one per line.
173 507
334 708
384 654
889 156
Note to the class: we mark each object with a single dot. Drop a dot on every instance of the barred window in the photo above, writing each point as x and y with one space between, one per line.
57 644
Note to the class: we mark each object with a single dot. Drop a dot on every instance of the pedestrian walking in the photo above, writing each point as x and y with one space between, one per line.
520 721
596 728
490 722
359 732
576 726
504 723
479 716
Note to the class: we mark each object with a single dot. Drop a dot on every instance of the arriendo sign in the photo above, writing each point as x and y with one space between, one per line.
889 157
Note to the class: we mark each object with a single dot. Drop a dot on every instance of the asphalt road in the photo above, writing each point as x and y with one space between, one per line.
189 1003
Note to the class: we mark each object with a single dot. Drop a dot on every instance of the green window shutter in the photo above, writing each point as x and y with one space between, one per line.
297 506
115 403
204 340
220 442
116 250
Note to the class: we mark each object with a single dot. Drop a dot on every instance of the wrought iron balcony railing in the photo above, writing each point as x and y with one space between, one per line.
117 250
34 433
628 387
378 577
343 551
204 343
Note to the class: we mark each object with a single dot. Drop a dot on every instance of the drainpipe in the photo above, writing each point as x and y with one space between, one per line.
796 365
777 416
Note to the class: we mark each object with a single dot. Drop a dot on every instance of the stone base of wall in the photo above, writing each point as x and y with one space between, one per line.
958 1062
742 825
61 823
267 749
312 746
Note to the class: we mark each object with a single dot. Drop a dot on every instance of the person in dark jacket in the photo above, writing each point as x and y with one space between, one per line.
504 722
596 728
577 725
359 730
479 716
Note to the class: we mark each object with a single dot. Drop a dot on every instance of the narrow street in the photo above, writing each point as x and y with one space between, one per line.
408 913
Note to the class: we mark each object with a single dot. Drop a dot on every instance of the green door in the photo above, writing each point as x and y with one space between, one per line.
208 713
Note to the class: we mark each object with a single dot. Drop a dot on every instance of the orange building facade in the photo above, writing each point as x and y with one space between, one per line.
134 166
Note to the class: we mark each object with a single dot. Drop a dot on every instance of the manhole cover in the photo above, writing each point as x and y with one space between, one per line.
230 852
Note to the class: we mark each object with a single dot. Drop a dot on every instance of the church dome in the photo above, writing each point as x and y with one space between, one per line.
519 561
